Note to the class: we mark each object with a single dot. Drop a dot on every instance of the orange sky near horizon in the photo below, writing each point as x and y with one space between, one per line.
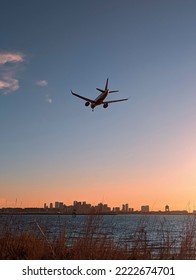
167 180
155 192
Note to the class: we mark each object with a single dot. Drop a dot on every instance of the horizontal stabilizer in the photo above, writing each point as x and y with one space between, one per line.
100 90
111 91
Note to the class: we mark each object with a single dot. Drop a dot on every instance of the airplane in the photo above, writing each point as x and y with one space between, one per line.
100 99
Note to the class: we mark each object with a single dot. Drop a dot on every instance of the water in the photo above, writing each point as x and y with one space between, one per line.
132 230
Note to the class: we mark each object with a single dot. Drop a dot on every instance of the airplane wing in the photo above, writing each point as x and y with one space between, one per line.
113 101
82 97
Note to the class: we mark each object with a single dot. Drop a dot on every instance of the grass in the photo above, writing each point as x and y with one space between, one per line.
94 242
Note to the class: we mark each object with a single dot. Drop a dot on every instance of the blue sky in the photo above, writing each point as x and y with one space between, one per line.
53 147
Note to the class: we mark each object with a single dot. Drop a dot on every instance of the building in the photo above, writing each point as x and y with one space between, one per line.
116 209
45 206
145 208
102 208
125 207
81 207
58 205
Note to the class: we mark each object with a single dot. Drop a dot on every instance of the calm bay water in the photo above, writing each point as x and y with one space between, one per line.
155 230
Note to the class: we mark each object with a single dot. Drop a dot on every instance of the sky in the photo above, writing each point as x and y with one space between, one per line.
53 147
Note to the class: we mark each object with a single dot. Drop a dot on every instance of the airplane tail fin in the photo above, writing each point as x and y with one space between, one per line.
106 85
106 88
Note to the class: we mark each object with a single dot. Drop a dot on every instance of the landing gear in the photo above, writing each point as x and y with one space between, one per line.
92 107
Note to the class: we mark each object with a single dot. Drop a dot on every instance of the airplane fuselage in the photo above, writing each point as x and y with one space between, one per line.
100 98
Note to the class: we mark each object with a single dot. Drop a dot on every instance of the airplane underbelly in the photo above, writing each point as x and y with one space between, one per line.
99 101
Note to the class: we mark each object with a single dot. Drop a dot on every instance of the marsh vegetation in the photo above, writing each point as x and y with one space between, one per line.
95 239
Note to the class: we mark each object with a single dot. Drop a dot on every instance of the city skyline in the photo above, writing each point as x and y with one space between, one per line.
52 146
124 207
84 207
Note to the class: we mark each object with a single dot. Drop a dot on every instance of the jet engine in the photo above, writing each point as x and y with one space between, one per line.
87 103
105 105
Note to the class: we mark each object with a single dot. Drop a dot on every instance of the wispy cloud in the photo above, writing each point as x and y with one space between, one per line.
9 84
10 57
48 99
9 66
42 83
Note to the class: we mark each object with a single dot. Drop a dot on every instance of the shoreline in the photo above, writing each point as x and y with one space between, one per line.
96 214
